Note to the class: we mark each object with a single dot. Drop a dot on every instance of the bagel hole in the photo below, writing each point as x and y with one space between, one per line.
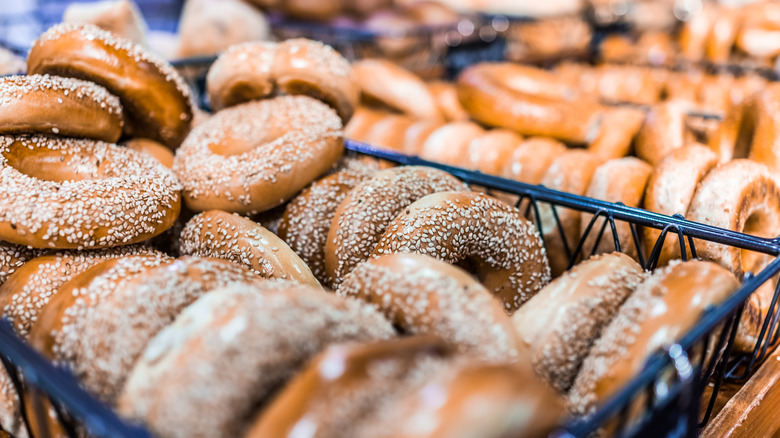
747 130
761 223
49 165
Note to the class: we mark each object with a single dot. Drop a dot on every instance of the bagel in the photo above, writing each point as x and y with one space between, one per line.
503 249
619 180
257 70
226 236
530 160
662 308
72 108
13 257
101 320
390 132
559 324
308 216
619 128
489 152
391 85
361 123
743 196
484 400
364 214
27 291
450 143
446 96
254 156
571 172
156 100
663 131
152 148
670 190
360 390
751 129
491 95
231 336
423 295
85 194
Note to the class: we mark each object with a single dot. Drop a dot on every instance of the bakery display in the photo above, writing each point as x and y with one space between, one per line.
238 270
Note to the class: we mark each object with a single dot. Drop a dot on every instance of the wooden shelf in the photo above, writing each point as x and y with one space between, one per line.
752 410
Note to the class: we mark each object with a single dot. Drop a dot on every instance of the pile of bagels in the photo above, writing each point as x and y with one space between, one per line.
377 302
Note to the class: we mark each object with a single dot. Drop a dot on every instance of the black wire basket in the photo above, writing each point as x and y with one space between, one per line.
663 400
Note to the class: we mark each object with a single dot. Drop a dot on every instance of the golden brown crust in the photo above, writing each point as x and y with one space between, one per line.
232 337
502 248
683 290
392 85
490 94
257 70
156 99
361 123
256 155
618 130
71 108
226 236
88 194
560 323
423 295
364 214
670 191
308 216
619 180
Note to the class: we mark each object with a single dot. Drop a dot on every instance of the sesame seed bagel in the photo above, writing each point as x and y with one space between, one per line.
743 196
493 240
559 325
423 295
308 216
358 389
619 180
256 155
571 172
498 95
72 108
85 194
156 100
257 70
670 191
27 291
227 236
40 333
383 81
684 290
367 210
12 257
100 322
231 349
